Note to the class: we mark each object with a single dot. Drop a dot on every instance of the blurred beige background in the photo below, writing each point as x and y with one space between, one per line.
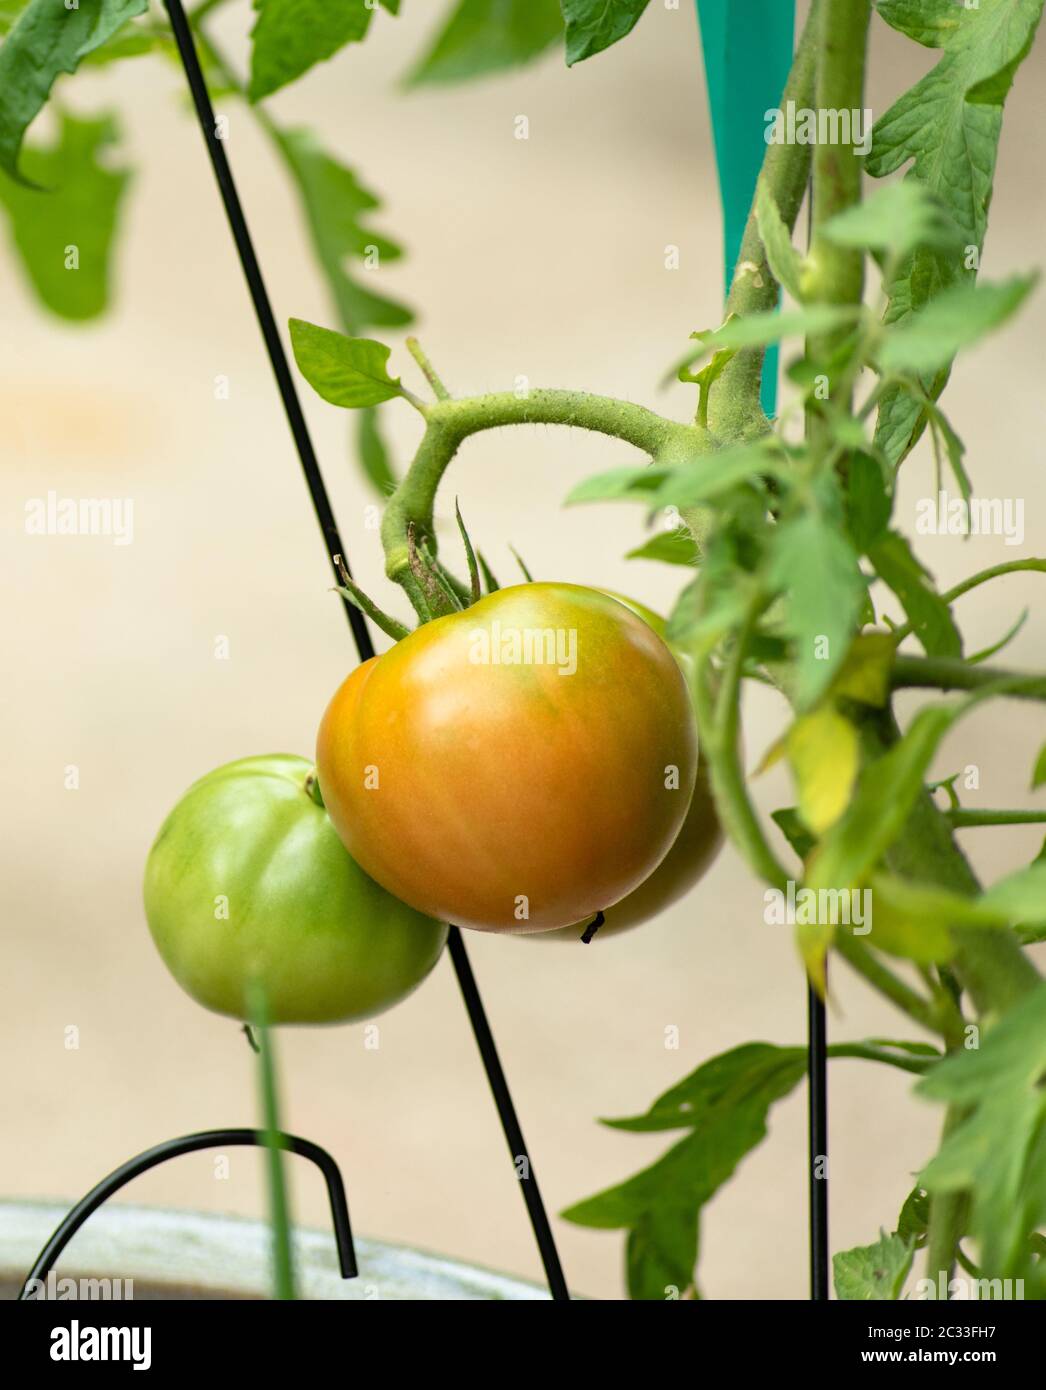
543 258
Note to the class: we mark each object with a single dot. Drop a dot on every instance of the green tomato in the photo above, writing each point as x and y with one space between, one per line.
247 883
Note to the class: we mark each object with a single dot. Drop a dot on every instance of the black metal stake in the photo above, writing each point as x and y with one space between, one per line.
817 1072
365 647
191 1143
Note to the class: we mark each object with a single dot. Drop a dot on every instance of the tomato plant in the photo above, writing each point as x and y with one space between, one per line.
513 796
248 885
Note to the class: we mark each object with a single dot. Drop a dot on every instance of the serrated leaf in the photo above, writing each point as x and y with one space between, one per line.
47 40
954 319
334 203
824 754
895 220
349 372
869 501
593 25
815 566
730 1099
675 547
929 615
760 330
290 36
948 126
874 1272
995 1154
485 36
782 257
81 211
719 1082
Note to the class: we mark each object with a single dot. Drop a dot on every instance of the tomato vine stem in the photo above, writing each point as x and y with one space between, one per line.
450 421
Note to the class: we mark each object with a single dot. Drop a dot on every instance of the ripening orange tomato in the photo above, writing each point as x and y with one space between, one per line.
515 767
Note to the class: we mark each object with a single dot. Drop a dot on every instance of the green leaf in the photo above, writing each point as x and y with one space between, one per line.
895 220
995 1155
914 1220
886 792
334 202
290 36
593 25
955 318
633 484
795 832
815 565
661 1253
1011 632
47 39
676 547
724 1104
760 330
80 217
721 1082
485 36
784 260
929 615
948 127
873 1271
1038 776
869 500
9 12
913 920
371 452
349 372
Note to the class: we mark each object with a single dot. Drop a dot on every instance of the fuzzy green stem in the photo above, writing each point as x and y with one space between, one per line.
421 357
858 956
451 422
959 818
949 673
868 1053
1032 565
719 726
835 274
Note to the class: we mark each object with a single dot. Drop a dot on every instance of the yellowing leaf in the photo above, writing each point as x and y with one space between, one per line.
824 754
865 674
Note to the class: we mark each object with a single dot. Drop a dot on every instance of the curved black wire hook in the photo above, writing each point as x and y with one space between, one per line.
191 1143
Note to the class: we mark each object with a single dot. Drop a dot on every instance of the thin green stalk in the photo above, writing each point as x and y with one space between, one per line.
1032 565
858 956
960 819
451 422
835 273
868 1053
721 745
947 1217
949 673
279 1212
